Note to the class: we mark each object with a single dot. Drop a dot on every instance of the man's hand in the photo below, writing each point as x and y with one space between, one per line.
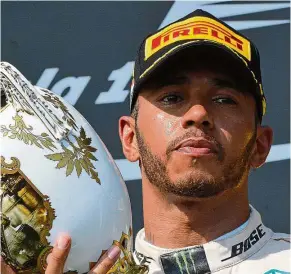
5 269
56 260
106 261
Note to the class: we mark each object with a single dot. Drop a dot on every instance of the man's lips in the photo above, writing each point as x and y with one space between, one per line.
196 147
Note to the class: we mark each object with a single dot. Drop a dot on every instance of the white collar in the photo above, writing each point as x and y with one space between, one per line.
212 256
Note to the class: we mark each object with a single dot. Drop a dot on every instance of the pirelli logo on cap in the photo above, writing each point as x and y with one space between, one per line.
194 29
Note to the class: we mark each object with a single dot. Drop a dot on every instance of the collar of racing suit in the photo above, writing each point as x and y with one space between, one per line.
223 252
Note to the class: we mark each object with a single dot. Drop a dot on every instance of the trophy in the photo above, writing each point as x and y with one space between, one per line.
57 176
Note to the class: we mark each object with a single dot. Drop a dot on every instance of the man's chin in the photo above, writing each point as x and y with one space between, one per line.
195 185
195 175
201 192
199 168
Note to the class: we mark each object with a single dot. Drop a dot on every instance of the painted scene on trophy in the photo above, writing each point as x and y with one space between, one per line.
26 219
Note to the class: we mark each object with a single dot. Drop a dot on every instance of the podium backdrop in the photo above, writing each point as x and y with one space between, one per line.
85 51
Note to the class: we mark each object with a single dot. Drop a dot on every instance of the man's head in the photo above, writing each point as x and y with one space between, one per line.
195 124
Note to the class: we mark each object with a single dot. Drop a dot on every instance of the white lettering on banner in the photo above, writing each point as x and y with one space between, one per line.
47 77
117 92
76 85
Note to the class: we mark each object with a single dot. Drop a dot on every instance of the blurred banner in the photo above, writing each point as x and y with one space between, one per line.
84 51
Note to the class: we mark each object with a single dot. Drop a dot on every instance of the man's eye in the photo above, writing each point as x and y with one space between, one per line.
171 99
224 100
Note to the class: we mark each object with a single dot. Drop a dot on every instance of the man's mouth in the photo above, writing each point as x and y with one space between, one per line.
196 147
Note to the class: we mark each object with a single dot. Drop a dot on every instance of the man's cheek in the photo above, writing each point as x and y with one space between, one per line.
170 124
225 137
226 145
234 142
154 138
235 133
157 126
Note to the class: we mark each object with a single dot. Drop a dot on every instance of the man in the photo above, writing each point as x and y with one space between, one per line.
195 127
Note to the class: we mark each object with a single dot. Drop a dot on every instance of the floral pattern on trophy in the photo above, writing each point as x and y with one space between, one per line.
24 133
78 158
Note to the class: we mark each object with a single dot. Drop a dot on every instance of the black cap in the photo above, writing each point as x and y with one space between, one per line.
203 29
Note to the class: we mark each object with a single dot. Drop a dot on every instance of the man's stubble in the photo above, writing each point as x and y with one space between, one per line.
193 185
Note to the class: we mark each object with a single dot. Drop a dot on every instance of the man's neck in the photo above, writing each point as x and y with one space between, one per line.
175 222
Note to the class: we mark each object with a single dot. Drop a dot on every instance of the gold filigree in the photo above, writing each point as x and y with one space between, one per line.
126 264
24 133
78 158
23 228
10 168
58 104
42 258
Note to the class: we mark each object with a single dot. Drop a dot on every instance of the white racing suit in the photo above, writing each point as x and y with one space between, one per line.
255 249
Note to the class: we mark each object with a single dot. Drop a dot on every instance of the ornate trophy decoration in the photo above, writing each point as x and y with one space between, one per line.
125 264
57 176
26 219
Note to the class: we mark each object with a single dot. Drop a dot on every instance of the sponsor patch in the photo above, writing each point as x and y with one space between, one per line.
142 259
245 245
197 28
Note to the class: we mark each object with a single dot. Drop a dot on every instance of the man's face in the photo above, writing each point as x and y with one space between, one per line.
195 132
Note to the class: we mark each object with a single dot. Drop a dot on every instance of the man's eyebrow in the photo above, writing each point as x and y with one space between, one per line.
171 80
224 83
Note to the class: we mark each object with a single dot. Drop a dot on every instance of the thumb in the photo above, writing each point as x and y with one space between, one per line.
57 258
5 269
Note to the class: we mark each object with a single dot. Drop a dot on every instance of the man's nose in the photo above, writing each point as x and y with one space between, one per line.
197 116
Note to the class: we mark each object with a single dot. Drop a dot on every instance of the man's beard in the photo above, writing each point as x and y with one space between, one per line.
191 185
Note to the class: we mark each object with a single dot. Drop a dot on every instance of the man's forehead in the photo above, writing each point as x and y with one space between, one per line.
195 75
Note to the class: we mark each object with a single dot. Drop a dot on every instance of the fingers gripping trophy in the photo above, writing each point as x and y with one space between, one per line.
57 176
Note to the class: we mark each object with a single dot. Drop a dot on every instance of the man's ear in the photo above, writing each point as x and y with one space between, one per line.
128 138
263 145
